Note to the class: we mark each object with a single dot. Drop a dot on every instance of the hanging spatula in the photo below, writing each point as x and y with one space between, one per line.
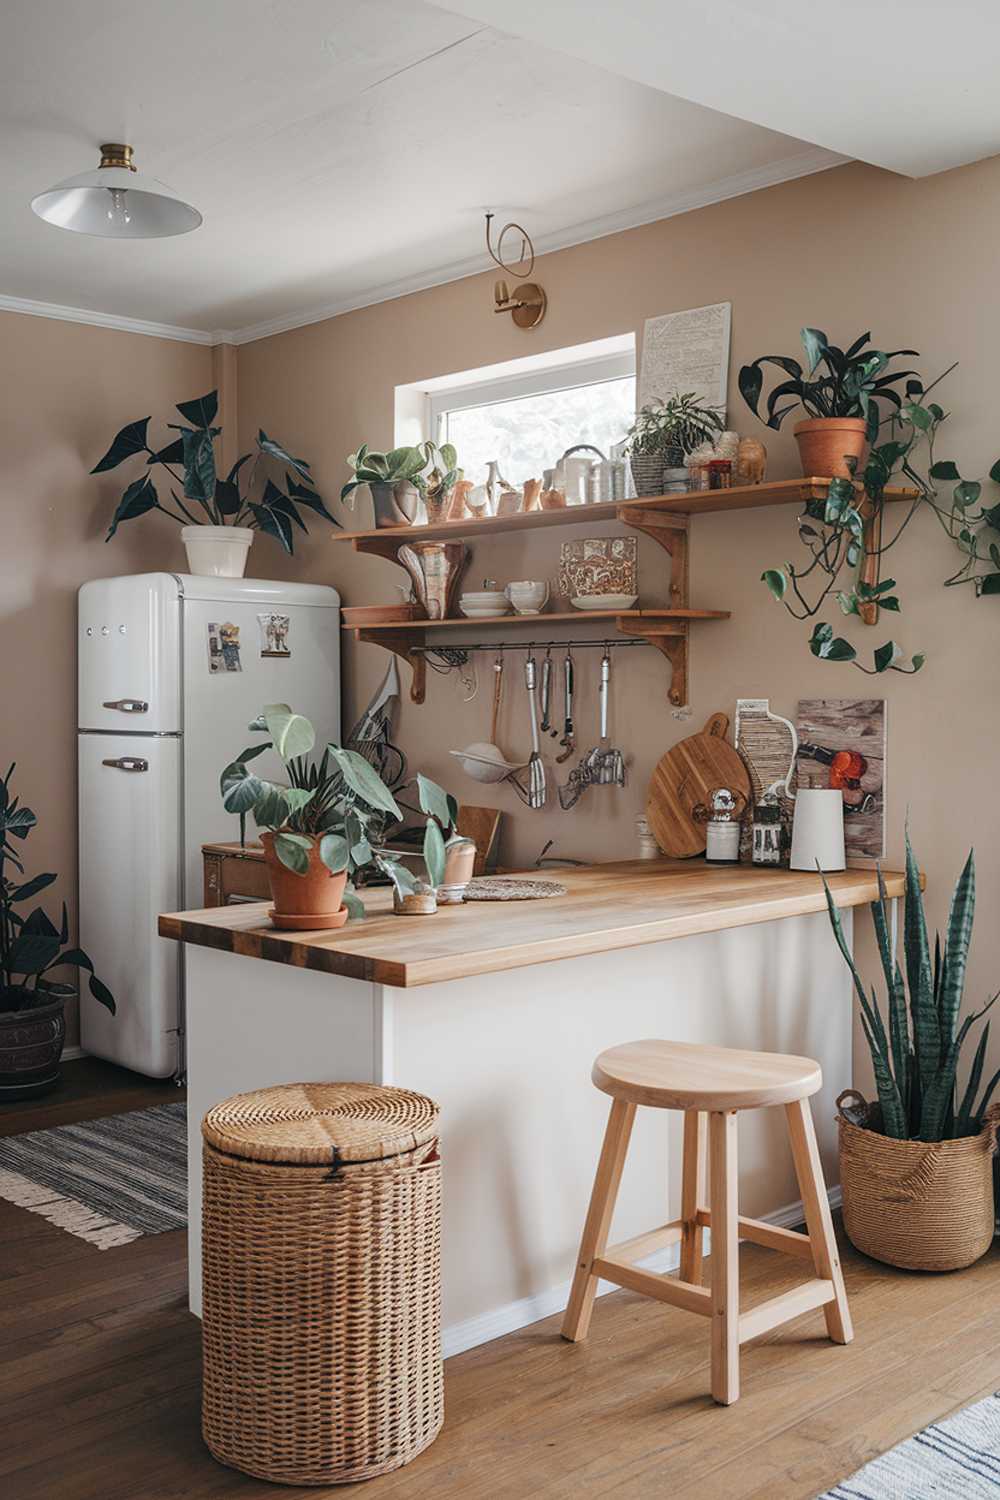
536 769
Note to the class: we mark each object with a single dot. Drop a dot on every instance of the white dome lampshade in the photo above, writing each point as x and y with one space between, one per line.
116 202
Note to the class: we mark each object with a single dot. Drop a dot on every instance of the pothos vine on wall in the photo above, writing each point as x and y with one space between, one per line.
843 532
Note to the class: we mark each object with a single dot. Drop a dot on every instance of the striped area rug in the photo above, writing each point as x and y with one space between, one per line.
957 1459
106 1181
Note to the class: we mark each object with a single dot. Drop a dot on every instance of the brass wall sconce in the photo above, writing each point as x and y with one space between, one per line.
527 304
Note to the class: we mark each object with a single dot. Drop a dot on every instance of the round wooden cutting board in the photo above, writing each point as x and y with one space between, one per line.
685 777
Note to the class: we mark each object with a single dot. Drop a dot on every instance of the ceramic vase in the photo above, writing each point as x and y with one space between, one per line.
436 569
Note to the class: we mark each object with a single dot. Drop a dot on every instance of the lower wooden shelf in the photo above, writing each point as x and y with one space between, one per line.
666 629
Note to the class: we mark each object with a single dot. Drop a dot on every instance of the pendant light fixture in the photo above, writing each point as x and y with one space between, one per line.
116 202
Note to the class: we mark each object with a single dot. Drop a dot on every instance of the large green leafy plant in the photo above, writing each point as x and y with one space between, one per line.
245 497
851 382
338 802
916 1060
32 945
422 466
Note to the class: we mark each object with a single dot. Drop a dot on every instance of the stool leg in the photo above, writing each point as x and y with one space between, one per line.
692 1195
576 1321
826 1257
725 1258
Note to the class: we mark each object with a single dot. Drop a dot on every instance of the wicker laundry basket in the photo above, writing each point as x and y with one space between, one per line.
322 1249
925 1206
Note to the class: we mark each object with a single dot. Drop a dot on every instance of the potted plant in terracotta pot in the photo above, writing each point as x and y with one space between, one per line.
662 435
32 1025
398 481
328 822
917 1167
842 394
218 517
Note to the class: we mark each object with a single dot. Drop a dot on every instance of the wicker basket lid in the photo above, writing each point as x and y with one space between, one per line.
307 1123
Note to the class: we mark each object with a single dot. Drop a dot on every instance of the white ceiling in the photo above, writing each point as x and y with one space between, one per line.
340 151
909 85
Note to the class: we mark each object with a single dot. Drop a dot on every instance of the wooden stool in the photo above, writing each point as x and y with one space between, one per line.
712 1082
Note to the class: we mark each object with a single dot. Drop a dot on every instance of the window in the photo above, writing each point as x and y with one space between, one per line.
526 414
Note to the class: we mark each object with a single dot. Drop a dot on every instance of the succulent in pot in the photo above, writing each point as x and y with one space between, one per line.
400 479
327 823
664 432
218 516
842 393
917 1166
32 1024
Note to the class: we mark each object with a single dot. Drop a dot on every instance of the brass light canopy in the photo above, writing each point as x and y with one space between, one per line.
528 302
116 202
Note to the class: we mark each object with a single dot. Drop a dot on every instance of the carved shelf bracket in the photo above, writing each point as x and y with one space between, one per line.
402 645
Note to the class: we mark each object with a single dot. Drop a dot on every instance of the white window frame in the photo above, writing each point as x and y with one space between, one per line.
538 382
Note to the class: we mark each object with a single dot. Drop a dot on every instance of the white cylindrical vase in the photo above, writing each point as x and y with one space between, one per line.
818 829
217 551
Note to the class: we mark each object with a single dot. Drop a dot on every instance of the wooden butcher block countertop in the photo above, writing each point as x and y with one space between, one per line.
606 907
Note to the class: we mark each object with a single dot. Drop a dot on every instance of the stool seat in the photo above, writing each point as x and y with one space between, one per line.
688 1075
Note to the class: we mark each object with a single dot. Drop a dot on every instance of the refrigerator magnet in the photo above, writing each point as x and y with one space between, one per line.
274 634
224 647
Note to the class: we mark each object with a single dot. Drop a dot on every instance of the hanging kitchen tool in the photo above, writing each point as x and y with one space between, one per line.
546 725
686 777
536 769
588 771
568 741
610 763
484 760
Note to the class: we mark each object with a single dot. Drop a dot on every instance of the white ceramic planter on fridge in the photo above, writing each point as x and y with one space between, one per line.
217 551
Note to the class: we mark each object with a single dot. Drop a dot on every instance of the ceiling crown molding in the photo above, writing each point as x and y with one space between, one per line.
803 164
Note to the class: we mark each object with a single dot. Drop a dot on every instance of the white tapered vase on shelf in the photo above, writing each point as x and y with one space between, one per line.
217 551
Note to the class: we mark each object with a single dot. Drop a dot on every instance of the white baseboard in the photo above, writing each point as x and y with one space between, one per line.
527 1310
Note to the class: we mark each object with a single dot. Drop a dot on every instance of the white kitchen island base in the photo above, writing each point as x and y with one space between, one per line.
508 1055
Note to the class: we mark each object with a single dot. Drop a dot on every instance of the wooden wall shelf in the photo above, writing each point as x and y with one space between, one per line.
666 629
665 518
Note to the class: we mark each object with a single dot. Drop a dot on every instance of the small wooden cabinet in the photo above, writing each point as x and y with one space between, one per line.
233 873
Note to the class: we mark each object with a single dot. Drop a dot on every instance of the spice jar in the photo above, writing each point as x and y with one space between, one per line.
720 473
766 847
722 827
459 862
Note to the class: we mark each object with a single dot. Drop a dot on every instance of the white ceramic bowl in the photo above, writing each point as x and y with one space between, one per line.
475 611
604 601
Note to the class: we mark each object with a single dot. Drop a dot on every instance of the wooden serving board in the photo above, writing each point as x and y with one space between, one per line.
685 777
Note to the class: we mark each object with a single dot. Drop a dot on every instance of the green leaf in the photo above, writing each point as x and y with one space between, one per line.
990 583
434 856
309 498
400 876
917 415
957 939
433 800
828 647
944 470
355 906
363 781
139 498
887 654
291 853
967 493
200 413
227 498
291 733
241 789
275 450
273 523
995 472
31 952
776 582
848 602
334 853
814 342
199 463
918 660
173 453
926 1029
131 440
31 887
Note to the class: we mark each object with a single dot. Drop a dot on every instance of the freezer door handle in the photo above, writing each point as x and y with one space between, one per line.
127 763
128 705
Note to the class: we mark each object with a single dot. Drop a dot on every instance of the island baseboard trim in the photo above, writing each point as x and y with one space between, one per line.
458 1337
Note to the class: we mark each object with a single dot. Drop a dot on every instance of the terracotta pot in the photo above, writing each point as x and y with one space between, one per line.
826 442
31 1043
315 898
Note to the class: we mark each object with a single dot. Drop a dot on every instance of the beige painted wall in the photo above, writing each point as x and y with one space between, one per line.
846 250
67 390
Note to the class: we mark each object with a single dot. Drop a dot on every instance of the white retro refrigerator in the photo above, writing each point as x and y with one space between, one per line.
173 670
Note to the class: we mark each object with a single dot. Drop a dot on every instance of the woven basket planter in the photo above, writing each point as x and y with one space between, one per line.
925 1206
321 1259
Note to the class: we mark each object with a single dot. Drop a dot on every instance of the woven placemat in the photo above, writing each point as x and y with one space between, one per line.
500 888
303 1122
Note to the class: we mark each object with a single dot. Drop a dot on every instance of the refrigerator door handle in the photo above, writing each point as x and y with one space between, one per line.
127 763
128 705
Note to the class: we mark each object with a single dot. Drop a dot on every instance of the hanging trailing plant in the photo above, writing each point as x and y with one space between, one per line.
839 532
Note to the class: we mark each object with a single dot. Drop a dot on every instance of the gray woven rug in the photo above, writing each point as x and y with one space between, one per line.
957 1459
106 1181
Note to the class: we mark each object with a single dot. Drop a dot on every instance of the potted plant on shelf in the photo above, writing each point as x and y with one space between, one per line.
32 1024
218 517
662 435
917 1168
329 822
397 481
842 393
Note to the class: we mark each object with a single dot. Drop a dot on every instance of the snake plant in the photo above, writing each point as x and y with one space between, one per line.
916 1062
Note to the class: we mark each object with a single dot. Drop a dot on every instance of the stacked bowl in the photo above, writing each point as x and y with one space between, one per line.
484 603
